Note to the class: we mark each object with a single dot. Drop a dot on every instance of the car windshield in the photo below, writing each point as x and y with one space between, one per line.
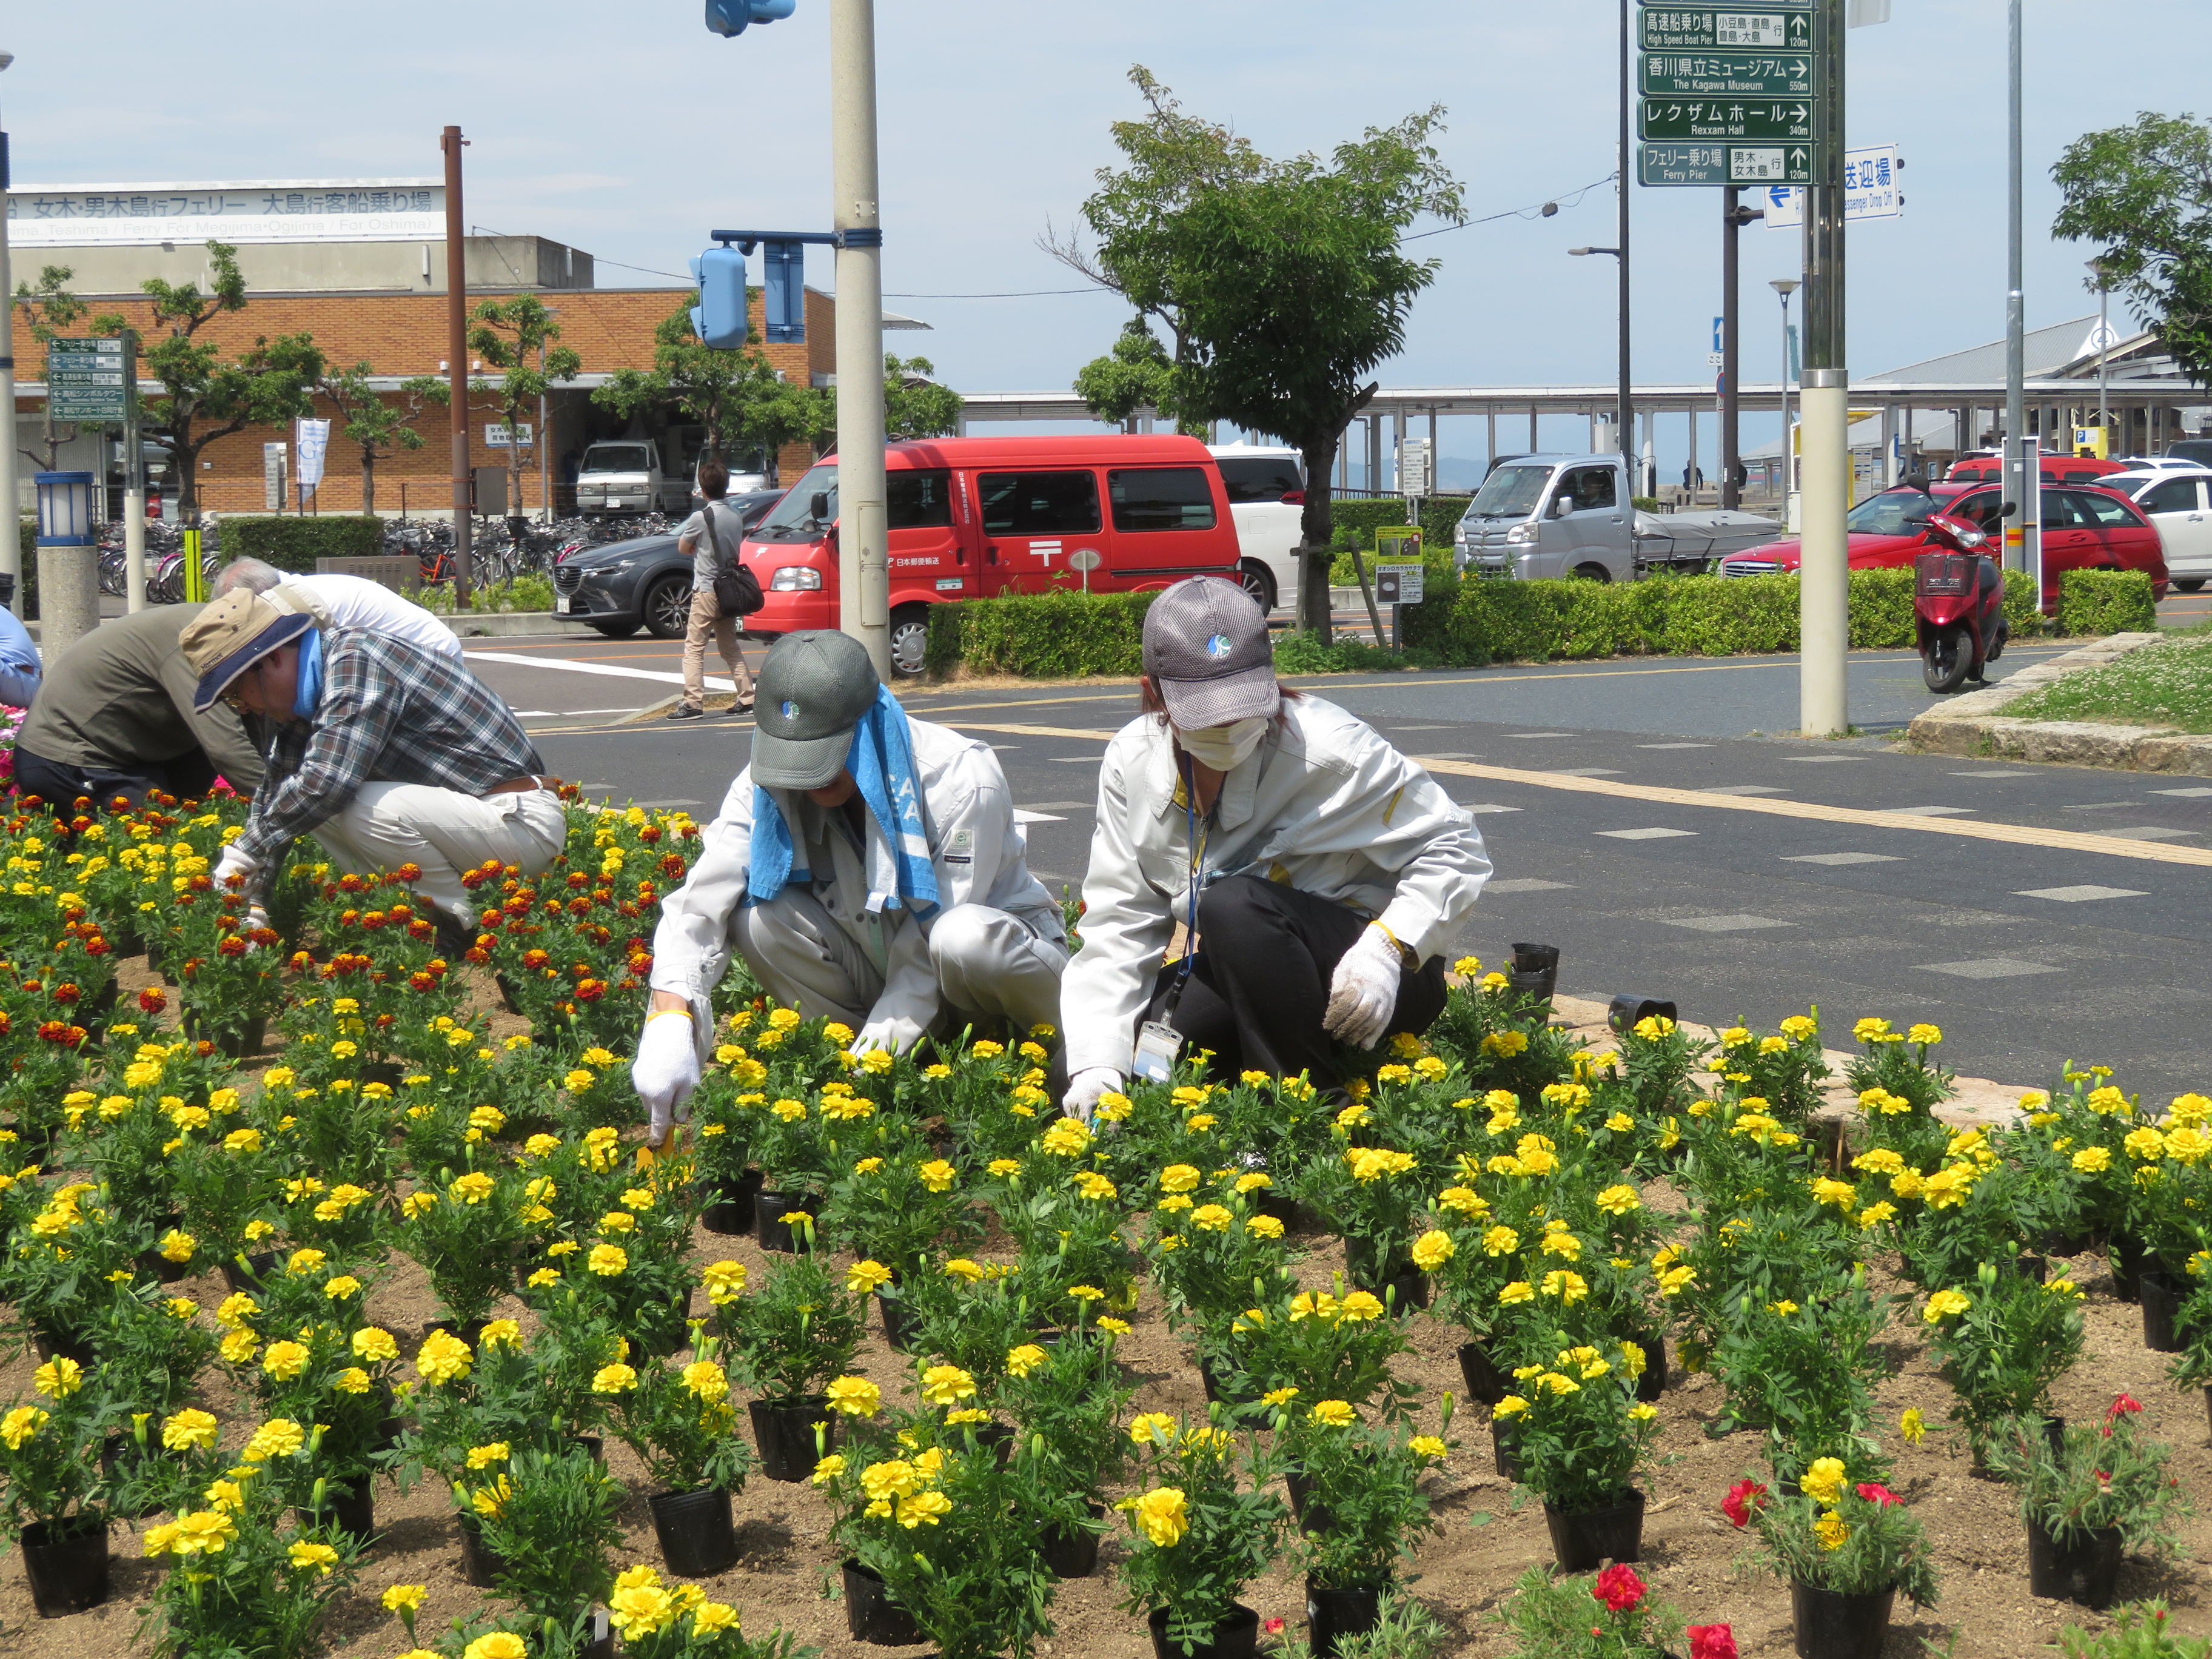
1893 513
1512 492
617 457
793 518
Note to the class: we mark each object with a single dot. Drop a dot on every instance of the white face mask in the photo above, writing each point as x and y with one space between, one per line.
1223 748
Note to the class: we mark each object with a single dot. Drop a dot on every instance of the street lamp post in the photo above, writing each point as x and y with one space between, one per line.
1627 415
1623 413
2016 462
1786 286
863 534
2104 358
11 548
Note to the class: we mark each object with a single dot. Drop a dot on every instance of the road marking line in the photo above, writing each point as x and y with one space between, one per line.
665 678
1841 858
2080 895
1022 816
1735 924
1987 967
1645 835
1525 884
2018 834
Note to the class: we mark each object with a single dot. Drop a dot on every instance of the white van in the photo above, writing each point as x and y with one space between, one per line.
1266 498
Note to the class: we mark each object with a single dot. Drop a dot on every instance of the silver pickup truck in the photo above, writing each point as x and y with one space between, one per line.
1570 515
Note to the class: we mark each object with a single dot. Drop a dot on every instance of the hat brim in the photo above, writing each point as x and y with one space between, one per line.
780 763
1250 694
217 680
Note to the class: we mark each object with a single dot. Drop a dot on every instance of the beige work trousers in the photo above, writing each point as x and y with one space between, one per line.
445 833
706 618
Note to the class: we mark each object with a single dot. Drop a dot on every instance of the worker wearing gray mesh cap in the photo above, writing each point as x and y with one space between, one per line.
1320 872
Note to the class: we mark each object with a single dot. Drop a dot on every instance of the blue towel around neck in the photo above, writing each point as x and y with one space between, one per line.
307 691
900 872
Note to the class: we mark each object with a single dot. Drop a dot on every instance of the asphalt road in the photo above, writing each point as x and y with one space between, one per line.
2074 934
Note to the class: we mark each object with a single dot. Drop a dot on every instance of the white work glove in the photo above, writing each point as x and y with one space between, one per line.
234 863
894 1036
256 919
1084 1088
665 1071
1362 993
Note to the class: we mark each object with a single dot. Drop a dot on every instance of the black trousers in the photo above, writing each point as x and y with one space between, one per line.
1260 985
188 777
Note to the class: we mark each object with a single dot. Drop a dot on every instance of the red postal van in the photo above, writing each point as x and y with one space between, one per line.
974 517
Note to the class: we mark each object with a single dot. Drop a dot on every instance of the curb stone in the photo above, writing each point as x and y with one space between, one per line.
1973 726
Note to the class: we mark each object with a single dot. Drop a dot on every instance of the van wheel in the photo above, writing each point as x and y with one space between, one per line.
909 639
2188 584
1259 582
668 608
1591 573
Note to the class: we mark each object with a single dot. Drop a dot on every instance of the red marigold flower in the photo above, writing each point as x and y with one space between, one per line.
301 962
262 935
203 1049
1273 1626
672 866
97 945
422 982
1619 1587
477 954
409 871
419 929
650 834
578 879
400 912
152 999
536 958
690 832
591 990
473 879
200 884
372 919
517 906
1712 1642
232 946
350 884
66 995
1745 1499
1874 1492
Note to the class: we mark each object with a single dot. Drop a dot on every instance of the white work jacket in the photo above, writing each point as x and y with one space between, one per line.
968 816
1324 804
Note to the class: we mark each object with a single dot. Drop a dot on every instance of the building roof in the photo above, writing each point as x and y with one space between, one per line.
2044 351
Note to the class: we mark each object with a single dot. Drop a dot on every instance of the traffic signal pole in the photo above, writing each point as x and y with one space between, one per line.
1823 400
864 536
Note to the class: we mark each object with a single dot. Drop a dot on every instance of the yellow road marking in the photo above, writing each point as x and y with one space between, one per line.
2018 834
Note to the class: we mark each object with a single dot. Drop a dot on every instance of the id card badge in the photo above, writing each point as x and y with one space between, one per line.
1157 1045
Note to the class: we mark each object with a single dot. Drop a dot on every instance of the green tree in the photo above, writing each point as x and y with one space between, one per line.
381 429
1281 283
516 336
723 390
47 310
204 395
2144 193
1136 374
915 406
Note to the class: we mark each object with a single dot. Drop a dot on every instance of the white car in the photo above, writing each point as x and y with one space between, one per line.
1266 498
2180 504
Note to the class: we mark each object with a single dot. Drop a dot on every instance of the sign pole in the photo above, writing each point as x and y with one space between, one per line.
864 532
134 481
11 550
457 361
1824 399
1627 412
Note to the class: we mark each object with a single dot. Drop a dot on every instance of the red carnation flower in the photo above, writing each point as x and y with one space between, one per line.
1874 1492
2125 1406
1712 1642
1619 1587
1745 1499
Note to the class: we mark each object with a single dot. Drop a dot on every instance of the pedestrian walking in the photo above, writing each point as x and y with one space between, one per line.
722 589
1317 872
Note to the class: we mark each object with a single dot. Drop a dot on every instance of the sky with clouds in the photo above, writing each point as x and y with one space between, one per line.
627 130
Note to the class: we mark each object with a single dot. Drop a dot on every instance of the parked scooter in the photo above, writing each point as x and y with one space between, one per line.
1958 605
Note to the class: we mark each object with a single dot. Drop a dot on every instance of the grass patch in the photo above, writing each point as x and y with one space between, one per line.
2169 684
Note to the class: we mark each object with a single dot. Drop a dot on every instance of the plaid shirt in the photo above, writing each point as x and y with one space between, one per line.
391 711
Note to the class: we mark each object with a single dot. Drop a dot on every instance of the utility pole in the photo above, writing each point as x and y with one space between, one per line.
863 526
456 360
2103 360
1734 218
134 481
1624 421
2015 475
11 549
1824 397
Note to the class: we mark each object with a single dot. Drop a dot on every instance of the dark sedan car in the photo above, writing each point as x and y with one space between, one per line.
644 581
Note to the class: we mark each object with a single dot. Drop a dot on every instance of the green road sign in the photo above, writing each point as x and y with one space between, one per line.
1724 164
1727 120
85 381
1727 74
1741 29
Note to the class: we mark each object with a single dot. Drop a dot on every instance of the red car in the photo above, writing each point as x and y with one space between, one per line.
2083 529
2055 469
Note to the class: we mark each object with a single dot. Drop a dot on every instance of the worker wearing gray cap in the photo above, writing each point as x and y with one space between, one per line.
1319 873
868 868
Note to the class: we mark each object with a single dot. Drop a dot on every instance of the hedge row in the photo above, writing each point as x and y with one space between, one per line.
1356 523
2095 603
294 544
1039 636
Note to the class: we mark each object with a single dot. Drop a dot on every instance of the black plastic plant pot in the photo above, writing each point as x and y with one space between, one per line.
353 1512
2162 1295
697 1539
1501 1447
871 1615
1333 1614
593 1444
1485 1381
1835 1624
1653 1383
901 1323
730 1209
1072 1552
2084 1569
1367 1268
2125 1256
660 1329
2207 1410
165 1271
1588 1537
481 1564
771 1220
471 1332
784 1431
1313 1519
1236 1636
599 1637
120 1456
247 1275
1629 1010
64 1345
1536 958
1226 1387
66 1562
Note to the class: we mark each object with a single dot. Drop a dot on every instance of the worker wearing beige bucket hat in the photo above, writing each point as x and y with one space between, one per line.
387 751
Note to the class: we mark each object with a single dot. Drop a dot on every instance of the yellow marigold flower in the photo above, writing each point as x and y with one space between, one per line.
961 1268
1162 1514
1207 1217
485 1456
473 1188
237 1312
828 1469
616 1378
191 1429
443 1356
1676 1280
209 1532
1830 1529
923 1508
1086 1294
855 1396
946 1385
340 1286
1112 1326
284 1360
1179 1178
1332 1413
1021 1360
239 1346
608 1260
1093 1185
895 1478
1265 1226
280 1436
1154 1428
58 1378
20 1425
938 1176
1518 1291
1943 1304
1912 1427
1643 1414
406 1597
1567 1286
1432 1250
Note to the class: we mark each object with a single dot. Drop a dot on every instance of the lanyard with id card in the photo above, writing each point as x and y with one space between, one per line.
1158 1042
